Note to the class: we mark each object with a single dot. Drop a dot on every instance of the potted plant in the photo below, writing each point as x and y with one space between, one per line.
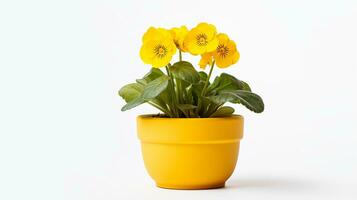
194 142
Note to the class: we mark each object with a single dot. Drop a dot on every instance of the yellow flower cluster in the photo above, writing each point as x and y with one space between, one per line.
159 45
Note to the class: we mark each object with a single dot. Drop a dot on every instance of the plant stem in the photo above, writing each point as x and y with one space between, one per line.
207 80
180 55
179 91
173 96
198 107
203 93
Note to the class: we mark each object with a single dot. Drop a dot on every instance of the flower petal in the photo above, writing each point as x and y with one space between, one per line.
212 45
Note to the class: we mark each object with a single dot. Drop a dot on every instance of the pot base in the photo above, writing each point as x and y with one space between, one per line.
190 187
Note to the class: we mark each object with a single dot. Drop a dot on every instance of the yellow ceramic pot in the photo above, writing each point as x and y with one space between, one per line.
190 153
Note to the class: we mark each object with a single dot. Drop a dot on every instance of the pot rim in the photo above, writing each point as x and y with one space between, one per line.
190 130
150 116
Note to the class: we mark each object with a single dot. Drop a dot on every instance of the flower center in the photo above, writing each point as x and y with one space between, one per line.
201 39
160 51
222 50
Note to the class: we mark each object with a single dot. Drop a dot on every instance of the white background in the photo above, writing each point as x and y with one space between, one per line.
63 136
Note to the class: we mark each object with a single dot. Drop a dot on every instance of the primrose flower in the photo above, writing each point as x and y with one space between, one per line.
201 39
179 35
158 47
206 59
226 53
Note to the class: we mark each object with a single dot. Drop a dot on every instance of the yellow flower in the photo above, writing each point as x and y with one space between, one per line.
226 53
206 59
179 35
158 47
201 39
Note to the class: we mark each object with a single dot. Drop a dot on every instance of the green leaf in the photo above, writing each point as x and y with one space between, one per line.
197 89
246 87
187 95
206 106
186 106
215 84
223 111
131 91
185 71
152 75
203 76
155 87
133 103
227 82
187 109
137 93
250 100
